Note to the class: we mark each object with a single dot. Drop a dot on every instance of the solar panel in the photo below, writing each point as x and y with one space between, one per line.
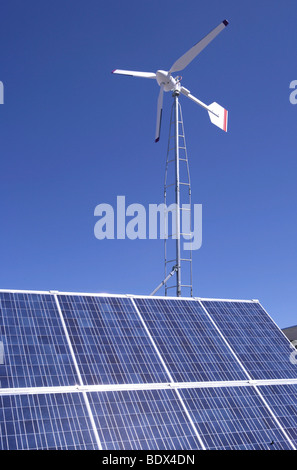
142 420
109 341
35 349
45 421
86 371
192 348
233 418
259 344
282 399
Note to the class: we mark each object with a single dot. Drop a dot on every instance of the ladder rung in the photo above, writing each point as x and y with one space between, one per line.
173 184
182 234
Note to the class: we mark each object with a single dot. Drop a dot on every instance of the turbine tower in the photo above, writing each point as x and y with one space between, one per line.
177 195
218 116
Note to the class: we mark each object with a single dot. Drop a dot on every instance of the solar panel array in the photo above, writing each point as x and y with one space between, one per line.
87 371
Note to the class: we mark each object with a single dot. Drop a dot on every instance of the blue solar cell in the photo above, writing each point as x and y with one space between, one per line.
189 344
282 399
142 420
53 421
233 418
35 349
256 340
109 341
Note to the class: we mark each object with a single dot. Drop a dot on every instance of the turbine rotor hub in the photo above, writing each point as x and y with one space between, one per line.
167 80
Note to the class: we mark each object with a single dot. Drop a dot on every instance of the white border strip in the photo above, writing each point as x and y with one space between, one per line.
107 294
143 386
226 300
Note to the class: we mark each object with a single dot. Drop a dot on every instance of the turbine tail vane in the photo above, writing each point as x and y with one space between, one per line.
217 114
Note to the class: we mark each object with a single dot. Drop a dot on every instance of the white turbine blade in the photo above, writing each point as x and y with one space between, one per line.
132 73
185 59
159 113
217 114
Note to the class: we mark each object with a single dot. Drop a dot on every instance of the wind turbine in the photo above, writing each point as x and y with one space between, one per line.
218 116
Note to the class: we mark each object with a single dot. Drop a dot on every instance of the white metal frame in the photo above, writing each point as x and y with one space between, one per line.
107 294
143 386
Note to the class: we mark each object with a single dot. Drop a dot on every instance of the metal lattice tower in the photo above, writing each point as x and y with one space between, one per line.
177 190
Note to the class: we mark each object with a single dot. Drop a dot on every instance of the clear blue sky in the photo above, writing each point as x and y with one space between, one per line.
72 136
